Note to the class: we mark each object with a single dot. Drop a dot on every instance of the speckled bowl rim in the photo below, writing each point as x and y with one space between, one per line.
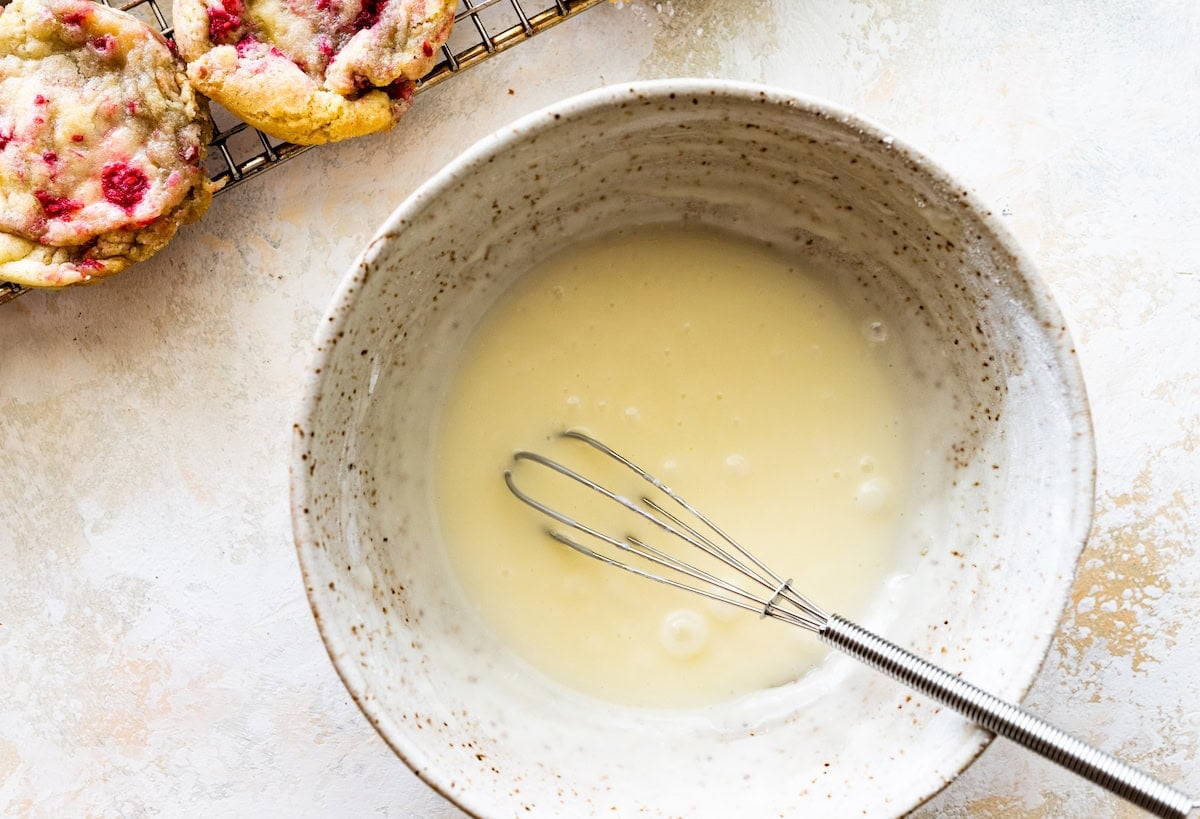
493 145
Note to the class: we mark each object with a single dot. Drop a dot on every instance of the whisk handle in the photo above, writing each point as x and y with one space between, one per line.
1008 720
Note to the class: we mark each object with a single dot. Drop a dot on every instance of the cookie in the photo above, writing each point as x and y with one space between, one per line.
102 142
312 71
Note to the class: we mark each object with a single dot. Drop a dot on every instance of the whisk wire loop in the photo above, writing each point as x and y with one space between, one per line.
666 490
777 600
706 545
603 558
757 571
638 548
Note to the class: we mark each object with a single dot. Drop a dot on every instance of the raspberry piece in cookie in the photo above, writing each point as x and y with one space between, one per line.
102 142
312 71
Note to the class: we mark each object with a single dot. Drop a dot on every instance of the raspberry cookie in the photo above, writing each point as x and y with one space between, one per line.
102 142
312 71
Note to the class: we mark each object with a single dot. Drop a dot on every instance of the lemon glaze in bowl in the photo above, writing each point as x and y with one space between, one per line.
1000 493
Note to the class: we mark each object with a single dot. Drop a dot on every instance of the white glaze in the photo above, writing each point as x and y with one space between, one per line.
731 373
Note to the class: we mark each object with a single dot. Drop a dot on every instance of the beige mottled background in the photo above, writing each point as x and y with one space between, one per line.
156 652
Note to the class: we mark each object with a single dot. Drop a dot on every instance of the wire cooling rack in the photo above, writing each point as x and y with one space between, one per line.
482 29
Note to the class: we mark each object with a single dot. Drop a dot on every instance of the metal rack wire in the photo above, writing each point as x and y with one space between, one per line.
482 29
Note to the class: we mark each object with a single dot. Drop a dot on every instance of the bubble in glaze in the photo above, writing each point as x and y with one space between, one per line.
684 633
873 495
875 331
736 464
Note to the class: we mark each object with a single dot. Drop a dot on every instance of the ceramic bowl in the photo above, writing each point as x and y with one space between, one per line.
1001 491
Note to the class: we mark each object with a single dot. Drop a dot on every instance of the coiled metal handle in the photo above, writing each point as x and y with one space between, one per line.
1008 720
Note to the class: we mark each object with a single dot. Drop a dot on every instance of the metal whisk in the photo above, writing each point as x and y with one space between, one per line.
759 589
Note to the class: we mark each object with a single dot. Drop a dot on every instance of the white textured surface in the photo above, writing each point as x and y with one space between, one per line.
156 652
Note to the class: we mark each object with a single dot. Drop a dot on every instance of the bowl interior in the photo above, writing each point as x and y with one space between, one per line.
1000 490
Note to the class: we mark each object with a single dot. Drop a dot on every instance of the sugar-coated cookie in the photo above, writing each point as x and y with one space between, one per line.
102 142
312 71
